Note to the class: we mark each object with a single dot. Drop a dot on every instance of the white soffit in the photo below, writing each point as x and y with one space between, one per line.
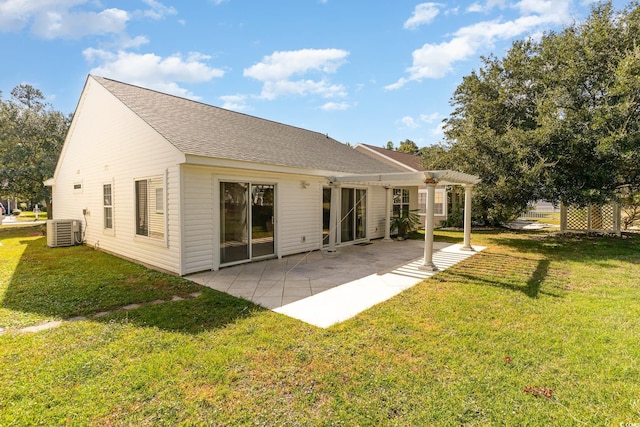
443 177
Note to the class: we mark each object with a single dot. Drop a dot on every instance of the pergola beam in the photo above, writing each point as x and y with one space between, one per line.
402 179
442 177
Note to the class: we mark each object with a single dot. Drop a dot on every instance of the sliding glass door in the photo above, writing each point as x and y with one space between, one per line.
262 220
360 227
326 215
353 214
247 214
234 213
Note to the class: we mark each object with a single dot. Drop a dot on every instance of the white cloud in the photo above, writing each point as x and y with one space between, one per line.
335 106
152 71
435 60
126 42
453 11
276 72
235 102
487 7
475 7
282 65
158 10
74 25
415 123
54 18
74 19
409 122
438 130
274 89
430 118
16 14
423 14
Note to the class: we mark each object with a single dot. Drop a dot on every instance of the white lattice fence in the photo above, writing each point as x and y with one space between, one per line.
577 218
605 218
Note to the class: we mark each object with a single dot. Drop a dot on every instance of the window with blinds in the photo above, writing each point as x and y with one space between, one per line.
107 196
150 205
438 201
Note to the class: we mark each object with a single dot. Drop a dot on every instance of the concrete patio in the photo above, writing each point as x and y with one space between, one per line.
323 288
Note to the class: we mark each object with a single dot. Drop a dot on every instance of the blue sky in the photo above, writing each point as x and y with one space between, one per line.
362 72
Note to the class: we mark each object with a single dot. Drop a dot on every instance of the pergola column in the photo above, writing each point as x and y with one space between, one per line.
467 218
563 218
387 215
427 263
333 217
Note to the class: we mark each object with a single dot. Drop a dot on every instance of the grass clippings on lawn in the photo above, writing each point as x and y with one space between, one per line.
535 330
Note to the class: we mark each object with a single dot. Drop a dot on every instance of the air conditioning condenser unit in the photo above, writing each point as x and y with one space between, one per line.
63 232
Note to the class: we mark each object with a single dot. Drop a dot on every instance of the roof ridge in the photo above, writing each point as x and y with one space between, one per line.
199 129
211 106
409 161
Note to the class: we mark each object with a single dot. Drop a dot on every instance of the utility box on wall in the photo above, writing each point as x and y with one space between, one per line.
63 232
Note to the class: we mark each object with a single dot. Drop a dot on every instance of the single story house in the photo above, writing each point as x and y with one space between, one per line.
409 198
185 187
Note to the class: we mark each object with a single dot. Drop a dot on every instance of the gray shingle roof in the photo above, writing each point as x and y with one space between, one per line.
410 160
198 129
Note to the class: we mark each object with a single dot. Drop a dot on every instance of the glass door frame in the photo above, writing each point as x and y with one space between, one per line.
249 219
338 204
326 217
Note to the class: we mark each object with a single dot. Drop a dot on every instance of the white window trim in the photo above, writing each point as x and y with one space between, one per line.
163 242
402 203
421 203
367 215
217 179
109 231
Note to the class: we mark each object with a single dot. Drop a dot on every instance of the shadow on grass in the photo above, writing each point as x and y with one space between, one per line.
211 310
529 276
537 278
572 247
446 236
80 281
523 260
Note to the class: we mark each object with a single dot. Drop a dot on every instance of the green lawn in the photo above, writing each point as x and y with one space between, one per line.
535 330
29 216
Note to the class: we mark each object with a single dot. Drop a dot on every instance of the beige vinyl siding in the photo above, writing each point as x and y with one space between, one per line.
99 151
198 215
377 203
300 216
110 144
413 199
298 212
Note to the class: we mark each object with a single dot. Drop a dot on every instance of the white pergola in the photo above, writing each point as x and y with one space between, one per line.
407 179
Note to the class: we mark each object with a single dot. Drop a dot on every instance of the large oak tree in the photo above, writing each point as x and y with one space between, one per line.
31 138
556 118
